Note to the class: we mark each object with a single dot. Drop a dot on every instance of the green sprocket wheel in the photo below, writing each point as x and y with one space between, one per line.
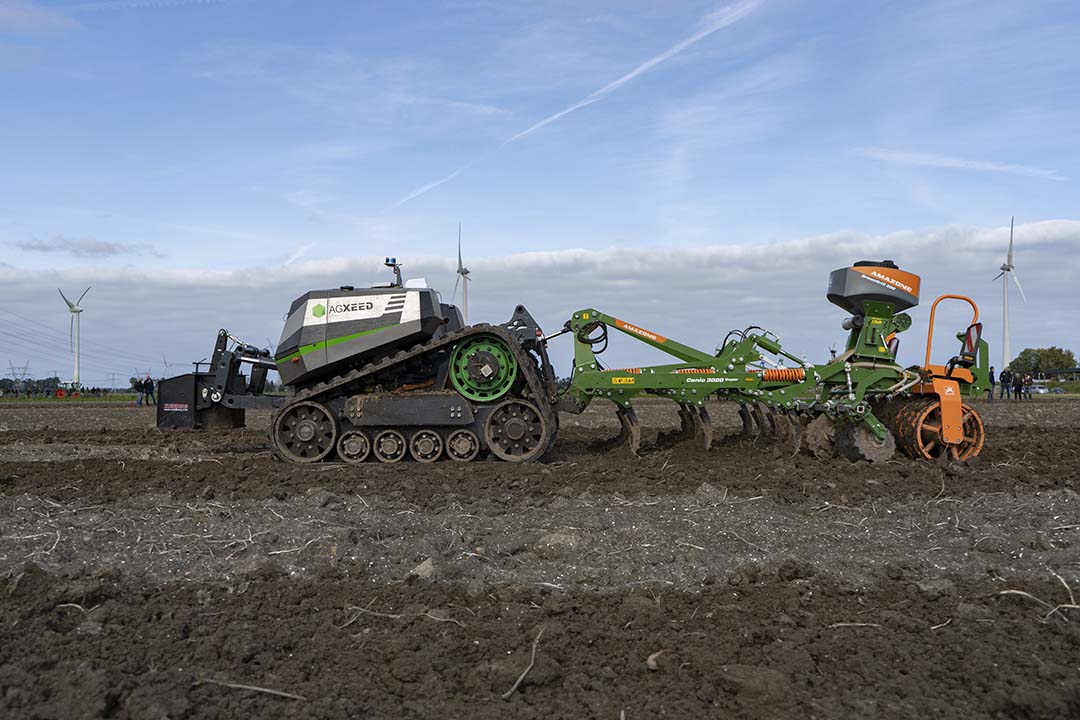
483 368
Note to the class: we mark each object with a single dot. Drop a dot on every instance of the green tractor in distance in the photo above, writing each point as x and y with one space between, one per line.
860 405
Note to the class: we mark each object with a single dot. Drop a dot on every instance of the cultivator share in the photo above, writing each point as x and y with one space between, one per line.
391 372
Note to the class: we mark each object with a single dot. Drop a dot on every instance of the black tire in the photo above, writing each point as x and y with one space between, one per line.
305 432
516 431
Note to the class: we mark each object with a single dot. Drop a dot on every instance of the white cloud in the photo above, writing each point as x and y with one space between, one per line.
904 157
694 295
22 17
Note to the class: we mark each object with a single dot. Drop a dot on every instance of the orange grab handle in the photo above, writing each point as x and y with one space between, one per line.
933 309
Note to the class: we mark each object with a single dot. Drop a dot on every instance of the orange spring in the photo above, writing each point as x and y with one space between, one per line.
632 371
695 371
784 375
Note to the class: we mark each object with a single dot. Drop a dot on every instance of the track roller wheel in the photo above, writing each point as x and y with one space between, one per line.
390 446
462 446
855 441
354 447
919 427
305 432
516 431
425 446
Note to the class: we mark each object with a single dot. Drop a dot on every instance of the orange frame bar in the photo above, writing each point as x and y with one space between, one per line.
933 309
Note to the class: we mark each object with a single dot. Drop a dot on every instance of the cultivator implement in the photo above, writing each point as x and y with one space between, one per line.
860 405
390 372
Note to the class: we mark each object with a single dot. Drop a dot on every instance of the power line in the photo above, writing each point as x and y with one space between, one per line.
37 328
53 347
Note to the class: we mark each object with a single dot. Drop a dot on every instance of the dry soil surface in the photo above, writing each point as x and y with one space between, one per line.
190 575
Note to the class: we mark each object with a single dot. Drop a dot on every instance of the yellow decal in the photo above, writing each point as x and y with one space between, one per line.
881 349
622 381
584 316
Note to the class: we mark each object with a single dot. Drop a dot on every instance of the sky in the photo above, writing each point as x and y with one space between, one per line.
690 166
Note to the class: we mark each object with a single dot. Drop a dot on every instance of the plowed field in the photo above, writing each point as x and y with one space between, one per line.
190 575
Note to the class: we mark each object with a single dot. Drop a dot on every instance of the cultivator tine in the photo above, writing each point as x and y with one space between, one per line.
686 422
750 428
766 424
797 426
788 429
703 425
631 428
819 437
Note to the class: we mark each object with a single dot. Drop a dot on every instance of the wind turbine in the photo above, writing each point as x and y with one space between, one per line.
1008 270
76 311
463 278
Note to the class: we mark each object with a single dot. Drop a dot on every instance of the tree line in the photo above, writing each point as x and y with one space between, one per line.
1036 361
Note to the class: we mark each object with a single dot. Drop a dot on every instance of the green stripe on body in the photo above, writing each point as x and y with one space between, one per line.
305 349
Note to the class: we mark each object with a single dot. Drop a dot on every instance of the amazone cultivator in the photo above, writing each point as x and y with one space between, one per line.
392 372
860 404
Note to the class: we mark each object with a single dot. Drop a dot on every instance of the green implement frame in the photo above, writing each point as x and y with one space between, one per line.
752 368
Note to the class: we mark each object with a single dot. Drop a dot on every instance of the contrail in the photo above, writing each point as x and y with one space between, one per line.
298 253
709 24
431 185
943 161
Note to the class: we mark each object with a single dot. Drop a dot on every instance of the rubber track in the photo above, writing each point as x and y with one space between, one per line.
524 361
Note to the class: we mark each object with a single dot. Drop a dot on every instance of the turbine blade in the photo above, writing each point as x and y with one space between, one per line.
71 333
69 303
459 247
1009 262
1018 286
998 275
82 296
454 296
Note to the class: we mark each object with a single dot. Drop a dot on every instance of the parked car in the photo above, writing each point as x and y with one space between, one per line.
1057 391
1036 390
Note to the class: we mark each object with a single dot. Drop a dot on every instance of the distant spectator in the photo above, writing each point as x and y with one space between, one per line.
1006 384
1018 386
990 392
1028 382
148 389
138 386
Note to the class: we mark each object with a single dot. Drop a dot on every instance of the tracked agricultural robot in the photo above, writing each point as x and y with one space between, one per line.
387 373
390 372
861 404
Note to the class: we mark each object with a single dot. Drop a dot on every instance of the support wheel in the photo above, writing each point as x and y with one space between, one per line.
305 432
855 441
462 445
516 431
389 446
354 447
425 446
